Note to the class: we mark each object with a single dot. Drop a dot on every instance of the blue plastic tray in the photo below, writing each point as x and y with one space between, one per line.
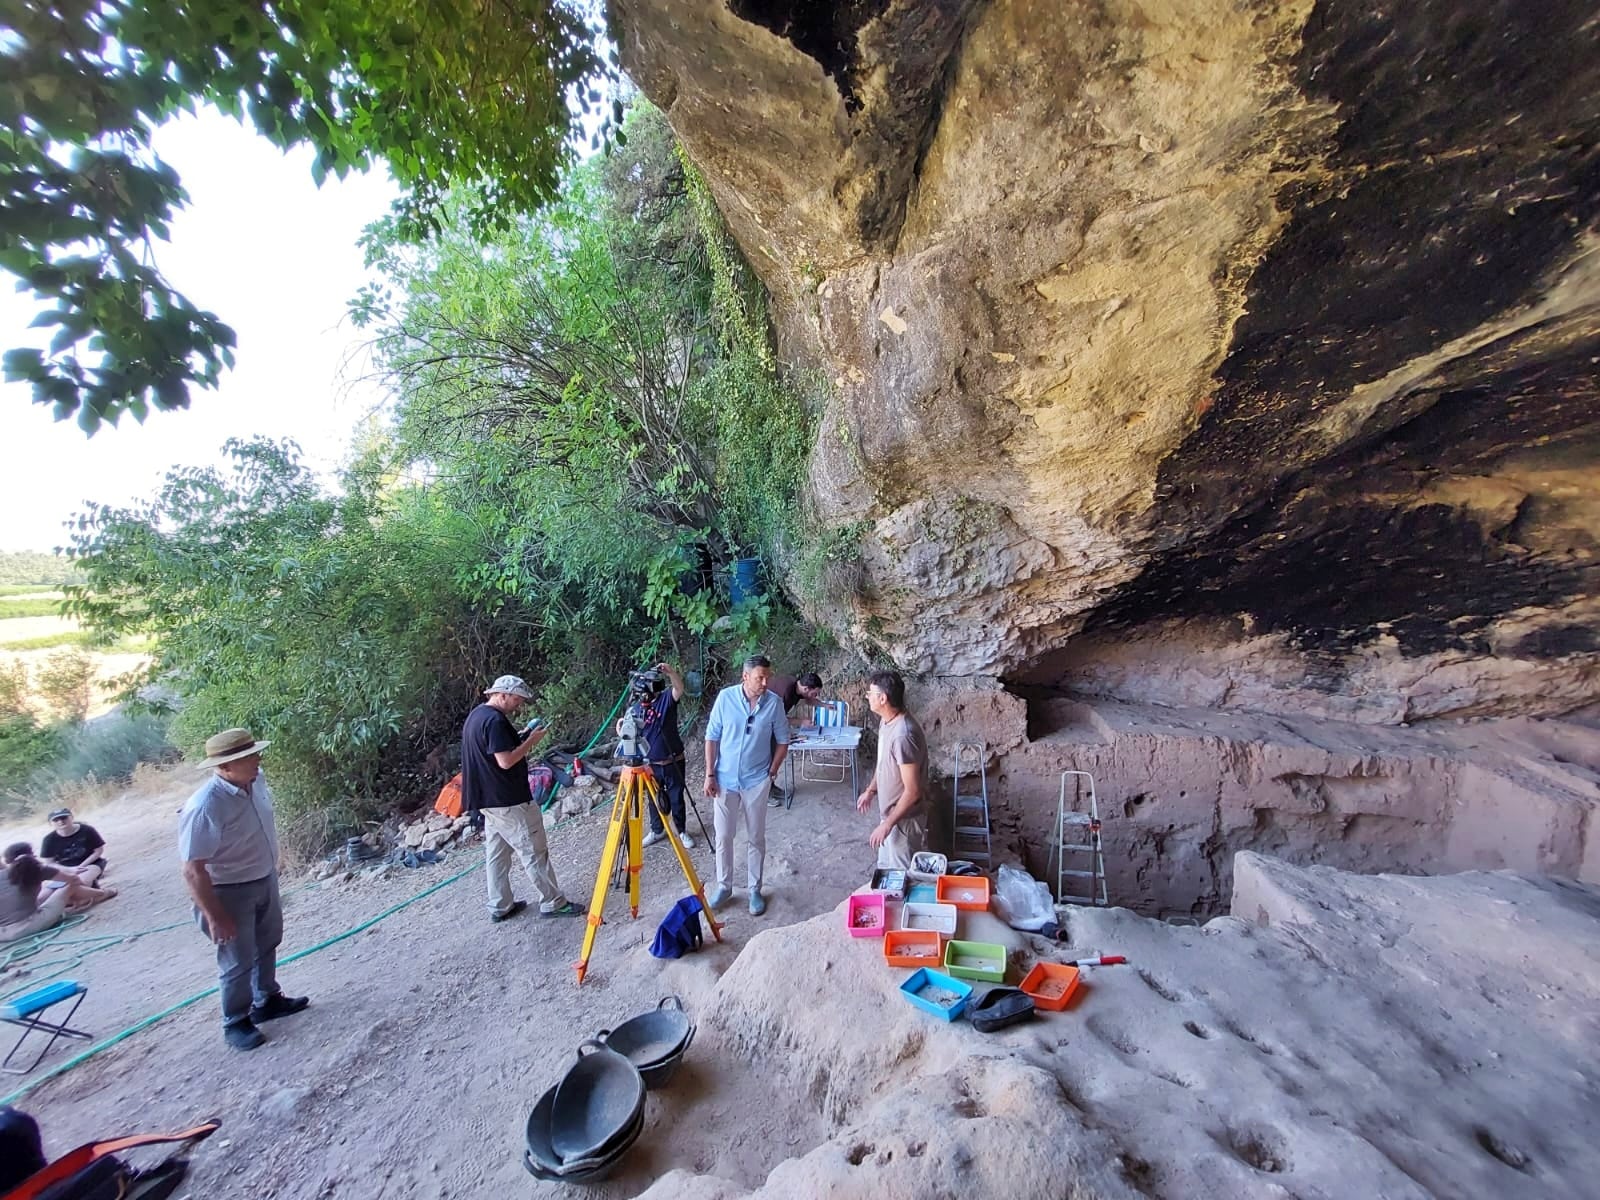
925 977
922 893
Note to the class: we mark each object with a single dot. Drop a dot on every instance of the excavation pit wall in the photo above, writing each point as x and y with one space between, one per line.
1182 790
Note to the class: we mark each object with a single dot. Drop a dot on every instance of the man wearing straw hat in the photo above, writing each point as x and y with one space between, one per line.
229 847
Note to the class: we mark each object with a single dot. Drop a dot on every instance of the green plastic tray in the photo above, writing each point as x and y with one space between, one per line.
976 960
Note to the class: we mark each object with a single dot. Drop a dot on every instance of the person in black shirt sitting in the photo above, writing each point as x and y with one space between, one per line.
74 845
494 782
664 745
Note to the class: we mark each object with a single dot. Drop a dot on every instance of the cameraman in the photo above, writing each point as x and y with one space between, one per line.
664 748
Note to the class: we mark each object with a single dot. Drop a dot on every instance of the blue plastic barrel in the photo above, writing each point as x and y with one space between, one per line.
745 582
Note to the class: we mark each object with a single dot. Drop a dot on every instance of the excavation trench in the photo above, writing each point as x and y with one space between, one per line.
1180 791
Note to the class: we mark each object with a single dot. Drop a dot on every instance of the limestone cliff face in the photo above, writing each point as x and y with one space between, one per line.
1261 323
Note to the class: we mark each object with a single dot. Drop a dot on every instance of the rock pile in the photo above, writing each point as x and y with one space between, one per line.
434 831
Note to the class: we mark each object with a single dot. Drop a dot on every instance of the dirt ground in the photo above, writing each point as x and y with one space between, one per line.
432 1033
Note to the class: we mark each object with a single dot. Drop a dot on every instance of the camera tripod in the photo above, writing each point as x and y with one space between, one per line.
635 788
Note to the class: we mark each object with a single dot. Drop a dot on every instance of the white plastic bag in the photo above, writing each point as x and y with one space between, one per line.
1021 901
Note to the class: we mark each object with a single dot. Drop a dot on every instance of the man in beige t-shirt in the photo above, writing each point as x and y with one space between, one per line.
900 782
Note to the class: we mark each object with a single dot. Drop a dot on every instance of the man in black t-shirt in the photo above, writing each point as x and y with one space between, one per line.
664 745
790 690
494 782
73 844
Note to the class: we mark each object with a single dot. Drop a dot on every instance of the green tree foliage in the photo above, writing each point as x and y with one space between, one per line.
453 90
574 398
332 624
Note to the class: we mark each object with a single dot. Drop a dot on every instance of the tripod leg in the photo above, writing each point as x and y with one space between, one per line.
602 881
636 798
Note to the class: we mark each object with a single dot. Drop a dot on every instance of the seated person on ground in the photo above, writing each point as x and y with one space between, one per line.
73 844
27 906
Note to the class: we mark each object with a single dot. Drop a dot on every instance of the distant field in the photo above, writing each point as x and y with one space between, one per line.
47 605
28 589
69 636
32 640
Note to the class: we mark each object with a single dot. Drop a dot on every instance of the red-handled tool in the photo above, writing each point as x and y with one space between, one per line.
1105 960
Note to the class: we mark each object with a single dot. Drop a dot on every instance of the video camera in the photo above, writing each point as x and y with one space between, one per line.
644 686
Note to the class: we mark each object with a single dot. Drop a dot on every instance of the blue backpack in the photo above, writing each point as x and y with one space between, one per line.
679 932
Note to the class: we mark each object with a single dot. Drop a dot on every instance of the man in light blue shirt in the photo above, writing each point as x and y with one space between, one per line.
747 737
229 845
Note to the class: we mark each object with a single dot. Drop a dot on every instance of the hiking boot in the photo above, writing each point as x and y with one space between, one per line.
279 1005
688 842
758 903
243 1035
718 896
654 836
516 907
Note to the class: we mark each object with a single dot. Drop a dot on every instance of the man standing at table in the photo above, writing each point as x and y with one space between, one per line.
747 737
900 782
790 690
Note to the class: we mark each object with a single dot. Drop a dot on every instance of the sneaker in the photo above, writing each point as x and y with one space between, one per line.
516 907
687 840
758 904
718 896
243 1035
654 836
566 909
279 1005
778 798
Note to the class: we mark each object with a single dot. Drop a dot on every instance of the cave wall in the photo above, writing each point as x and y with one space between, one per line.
1275 317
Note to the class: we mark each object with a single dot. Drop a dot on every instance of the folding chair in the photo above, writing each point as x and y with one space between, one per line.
831 713
29 1011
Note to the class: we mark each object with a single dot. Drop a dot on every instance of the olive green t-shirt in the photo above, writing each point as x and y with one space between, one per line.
901 741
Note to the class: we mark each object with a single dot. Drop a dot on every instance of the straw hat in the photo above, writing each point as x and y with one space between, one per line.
230 744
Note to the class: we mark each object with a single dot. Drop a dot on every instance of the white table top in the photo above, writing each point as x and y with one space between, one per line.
830 737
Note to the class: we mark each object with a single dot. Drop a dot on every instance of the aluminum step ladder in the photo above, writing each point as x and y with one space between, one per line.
1078 841
970 808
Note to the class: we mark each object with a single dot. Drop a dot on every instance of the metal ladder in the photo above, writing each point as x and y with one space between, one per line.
1084 828
970 810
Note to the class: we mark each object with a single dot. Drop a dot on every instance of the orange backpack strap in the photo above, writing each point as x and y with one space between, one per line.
73 1161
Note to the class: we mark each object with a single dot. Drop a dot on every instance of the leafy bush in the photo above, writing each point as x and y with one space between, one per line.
108 748
26 748
13 688
66 681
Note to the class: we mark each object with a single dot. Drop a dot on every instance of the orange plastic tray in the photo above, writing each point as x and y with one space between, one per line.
1050 985
900 947
967 892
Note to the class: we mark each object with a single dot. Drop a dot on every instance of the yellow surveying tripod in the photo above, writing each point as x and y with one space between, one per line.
636 788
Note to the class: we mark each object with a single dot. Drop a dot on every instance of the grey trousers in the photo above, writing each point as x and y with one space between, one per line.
750 804
247 966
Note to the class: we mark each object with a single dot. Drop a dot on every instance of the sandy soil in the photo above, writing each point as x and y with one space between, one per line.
432 1033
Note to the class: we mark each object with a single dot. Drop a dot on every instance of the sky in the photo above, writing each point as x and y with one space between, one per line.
273 256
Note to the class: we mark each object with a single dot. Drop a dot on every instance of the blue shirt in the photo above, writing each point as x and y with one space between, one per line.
231 830
744 737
